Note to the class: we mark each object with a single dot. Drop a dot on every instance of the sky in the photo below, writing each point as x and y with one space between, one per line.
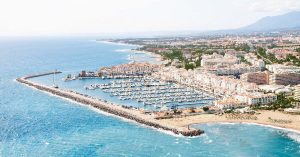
82 17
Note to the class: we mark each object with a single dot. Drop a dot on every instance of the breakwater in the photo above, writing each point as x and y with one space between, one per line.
111 108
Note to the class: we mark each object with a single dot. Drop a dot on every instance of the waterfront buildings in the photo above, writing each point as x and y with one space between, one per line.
129 69
245 99
256 98
229 103
220 86
84 73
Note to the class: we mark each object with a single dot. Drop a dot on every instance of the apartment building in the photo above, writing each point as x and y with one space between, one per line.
218 60
286 78
258 78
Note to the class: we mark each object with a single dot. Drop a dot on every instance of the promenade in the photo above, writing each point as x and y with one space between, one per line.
131 114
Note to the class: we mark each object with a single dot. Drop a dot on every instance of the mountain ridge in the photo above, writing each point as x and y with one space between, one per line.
269 23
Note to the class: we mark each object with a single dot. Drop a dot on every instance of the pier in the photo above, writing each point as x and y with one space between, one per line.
108 107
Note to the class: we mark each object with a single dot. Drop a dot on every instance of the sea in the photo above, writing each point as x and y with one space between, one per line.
34 123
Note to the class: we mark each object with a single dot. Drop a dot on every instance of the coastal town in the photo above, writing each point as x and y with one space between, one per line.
249 77
253 79
240 71
150 78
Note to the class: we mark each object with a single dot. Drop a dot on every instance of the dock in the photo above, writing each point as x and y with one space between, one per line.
131 114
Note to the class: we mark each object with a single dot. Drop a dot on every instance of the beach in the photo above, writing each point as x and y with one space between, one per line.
293 121
158 58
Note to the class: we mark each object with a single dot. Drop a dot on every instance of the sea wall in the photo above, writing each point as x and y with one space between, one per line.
109 107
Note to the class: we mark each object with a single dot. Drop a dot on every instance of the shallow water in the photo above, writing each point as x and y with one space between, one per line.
33 123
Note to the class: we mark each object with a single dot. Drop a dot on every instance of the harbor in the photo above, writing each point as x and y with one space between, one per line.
136 85
154 94
121 111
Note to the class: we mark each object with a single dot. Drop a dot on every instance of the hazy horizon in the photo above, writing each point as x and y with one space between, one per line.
115 17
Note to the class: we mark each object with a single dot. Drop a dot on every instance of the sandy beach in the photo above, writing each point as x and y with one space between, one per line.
158 58
273 118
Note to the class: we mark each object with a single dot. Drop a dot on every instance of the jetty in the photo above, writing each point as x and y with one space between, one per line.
103 105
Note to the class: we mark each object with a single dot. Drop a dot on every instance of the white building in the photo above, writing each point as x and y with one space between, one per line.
251 58
218 60
279 68
256 98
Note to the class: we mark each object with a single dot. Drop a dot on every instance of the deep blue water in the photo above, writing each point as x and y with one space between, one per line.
33 123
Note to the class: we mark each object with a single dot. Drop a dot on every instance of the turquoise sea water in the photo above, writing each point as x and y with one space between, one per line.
33 123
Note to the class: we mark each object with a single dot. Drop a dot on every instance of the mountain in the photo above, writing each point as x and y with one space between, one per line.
286 21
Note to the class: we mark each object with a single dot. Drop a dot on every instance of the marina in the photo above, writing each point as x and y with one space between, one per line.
129 113
159 95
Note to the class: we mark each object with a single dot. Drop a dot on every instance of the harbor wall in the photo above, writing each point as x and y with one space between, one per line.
109 107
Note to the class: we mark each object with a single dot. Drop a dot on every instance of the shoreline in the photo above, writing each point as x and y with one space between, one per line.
110 108
158 58
253 123
262 119
115 43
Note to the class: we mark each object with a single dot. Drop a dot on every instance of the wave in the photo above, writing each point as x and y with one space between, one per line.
294 136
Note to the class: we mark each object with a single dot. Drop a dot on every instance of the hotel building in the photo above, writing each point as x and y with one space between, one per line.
258 78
